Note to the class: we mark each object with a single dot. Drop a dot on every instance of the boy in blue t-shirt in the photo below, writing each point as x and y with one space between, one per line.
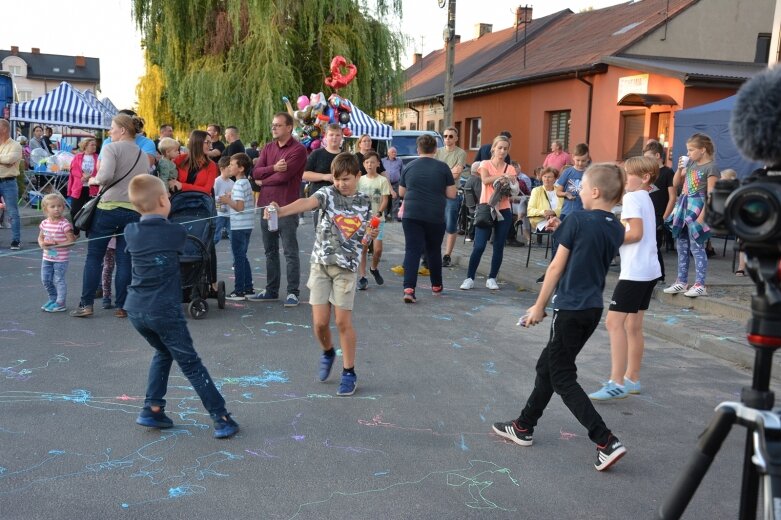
241 205
154 307
568 183
576 278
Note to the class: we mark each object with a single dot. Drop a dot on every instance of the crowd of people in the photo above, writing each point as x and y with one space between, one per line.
566 197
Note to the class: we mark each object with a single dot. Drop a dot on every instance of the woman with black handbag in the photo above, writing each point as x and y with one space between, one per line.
494 213
121 160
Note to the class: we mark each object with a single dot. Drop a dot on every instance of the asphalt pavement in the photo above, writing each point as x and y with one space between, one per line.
414 441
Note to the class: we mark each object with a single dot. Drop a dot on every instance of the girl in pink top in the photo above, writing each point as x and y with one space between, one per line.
495 174
55 237
83 167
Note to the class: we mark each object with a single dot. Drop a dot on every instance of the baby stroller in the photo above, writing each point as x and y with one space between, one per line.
196 212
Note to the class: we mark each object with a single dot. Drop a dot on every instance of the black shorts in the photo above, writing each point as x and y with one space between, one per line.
630 296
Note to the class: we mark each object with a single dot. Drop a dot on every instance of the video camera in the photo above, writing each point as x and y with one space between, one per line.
750 210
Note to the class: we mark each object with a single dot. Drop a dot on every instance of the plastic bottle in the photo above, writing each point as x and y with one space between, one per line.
374 223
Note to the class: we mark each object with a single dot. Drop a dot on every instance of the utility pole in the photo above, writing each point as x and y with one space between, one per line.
449 35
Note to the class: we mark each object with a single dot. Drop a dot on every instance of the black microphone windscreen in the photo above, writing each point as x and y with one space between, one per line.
756 117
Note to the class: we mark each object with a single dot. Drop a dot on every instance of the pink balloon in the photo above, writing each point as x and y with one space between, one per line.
315 144
302 102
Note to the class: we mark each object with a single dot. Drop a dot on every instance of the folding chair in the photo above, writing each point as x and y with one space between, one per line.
533 238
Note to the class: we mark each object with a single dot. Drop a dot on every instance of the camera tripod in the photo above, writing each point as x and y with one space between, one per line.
762 458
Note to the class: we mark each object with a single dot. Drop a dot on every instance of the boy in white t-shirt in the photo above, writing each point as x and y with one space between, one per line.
639 271
223 185
241 204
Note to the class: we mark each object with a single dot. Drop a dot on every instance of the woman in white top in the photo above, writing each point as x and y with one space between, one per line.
543 202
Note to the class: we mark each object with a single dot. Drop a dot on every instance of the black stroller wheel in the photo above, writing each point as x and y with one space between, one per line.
220 294
198 308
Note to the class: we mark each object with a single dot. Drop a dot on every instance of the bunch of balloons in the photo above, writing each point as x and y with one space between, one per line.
315 112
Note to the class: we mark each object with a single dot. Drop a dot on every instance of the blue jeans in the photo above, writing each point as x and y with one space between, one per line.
9 190
220 224
241 269
420 235
500 230
53 279
106 224
451 214
166 330
288 227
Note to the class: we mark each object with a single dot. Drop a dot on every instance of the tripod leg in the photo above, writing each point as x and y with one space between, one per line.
707 447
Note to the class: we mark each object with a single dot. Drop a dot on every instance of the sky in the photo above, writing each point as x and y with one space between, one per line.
104 29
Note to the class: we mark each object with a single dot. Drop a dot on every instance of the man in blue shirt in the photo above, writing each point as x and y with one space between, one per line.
393 166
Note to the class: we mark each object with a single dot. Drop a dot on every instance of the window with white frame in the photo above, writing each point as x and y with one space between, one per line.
25 95
16 70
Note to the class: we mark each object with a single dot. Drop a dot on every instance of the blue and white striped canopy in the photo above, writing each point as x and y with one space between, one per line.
360 124
95 103
64 105
106 102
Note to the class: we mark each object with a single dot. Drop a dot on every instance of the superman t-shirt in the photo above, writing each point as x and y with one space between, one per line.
341 228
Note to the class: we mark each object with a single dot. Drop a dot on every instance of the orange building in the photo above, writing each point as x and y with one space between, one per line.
611 77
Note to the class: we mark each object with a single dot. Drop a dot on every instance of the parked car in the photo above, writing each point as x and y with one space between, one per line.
404 142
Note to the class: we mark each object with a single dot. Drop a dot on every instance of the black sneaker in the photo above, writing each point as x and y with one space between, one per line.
236 296
541 279
15 245
378 279
446 261
511 432
152 419
609 454
363 283
225 427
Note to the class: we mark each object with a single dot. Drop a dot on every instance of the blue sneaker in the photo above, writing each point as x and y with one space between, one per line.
631 387
225 427
347 386
609 392
47 305
263 296
326 362
291 300
152 419
56 307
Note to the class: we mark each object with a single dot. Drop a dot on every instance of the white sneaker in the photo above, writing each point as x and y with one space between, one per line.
491 284
675 288
696 290
468 284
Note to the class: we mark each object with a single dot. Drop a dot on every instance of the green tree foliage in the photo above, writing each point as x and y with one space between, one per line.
231 61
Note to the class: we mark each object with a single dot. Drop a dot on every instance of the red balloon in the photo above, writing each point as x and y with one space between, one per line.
338 80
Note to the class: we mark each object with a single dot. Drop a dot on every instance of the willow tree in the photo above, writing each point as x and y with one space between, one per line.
232 61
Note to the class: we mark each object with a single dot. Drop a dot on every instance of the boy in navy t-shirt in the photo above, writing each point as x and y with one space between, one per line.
588 241
154 307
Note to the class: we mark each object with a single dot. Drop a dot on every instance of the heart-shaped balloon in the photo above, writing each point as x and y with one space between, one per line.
337 79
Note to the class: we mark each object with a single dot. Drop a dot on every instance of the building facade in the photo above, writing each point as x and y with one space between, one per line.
612 77
36 73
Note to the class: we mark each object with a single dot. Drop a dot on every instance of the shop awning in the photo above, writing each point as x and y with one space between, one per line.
646 100
62 106
360 123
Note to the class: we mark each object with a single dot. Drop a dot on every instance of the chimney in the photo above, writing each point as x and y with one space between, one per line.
80 61
36 50
417 58
523 15
14 50
482 28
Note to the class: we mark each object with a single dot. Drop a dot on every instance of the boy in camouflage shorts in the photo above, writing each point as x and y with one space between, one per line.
344 217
